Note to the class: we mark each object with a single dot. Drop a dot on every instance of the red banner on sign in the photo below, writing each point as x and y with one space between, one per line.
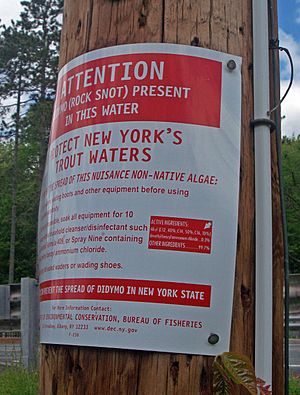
180 234
128 290
139 87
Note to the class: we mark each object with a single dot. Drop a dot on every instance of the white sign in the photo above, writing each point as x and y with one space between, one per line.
138 213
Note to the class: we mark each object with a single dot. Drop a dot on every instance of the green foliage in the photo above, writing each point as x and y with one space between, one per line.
17 58
28 72
27 208
294 386
5 206
40 19
18 381
291 176
29 178
29 48
231 370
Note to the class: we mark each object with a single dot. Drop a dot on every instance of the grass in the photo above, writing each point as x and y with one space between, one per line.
294 385
18 381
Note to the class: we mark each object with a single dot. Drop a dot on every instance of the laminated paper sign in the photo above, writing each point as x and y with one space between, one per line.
138 213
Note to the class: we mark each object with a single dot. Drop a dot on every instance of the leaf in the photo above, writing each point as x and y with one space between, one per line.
222 385
240 370
264 389
291 181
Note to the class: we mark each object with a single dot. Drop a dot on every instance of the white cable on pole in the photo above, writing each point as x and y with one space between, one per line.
263 195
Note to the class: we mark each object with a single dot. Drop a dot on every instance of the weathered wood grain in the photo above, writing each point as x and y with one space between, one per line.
278 242
224 25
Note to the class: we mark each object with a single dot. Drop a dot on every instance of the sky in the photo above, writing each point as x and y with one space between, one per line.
289 36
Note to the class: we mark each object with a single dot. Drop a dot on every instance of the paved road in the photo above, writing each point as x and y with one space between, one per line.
295 356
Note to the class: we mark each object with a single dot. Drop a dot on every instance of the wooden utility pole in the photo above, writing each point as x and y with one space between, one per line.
223 25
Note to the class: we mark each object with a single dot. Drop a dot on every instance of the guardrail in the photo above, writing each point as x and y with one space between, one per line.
10 334
294 325
10 348
19 311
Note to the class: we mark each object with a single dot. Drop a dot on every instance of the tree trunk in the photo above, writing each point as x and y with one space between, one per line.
14 185
223 25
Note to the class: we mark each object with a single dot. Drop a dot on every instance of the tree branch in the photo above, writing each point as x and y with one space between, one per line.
15 104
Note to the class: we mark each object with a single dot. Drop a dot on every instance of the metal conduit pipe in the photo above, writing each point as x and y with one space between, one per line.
263 194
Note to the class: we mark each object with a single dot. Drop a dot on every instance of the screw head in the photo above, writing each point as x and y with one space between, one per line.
231 65
213 338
